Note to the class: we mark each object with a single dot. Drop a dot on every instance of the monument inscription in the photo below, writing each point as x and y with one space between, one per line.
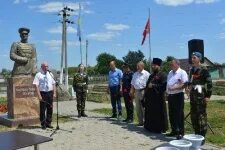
25 91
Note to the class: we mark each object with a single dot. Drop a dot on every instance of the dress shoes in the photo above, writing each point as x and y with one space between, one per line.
114 116
43 127
179 136
171 134
139 124
49 126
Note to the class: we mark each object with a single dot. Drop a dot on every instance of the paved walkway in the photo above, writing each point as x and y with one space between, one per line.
98 132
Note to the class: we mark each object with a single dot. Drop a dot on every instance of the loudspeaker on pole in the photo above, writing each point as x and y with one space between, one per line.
195 45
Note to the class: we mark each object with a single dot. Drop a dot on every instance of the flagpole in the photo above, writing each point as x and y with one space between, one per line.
87 65
86 56
81 53
149 40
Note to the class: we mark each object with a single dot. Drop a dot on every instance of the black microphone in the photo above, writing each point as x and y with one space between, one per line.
48 71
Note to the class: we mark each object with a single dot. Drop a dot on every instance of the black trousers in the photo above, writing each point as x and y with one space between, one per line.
176 112
129 105
46 108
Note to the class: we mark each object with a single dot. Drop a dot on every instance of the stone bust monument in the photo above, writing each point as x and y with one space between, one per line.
24 55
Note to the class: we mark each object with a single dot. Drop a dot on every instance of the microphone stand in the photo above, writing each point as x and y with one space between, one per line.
57 106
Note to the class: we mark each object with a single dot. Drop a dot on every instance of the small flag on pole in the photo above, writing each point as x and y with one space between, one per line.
78 24
146 31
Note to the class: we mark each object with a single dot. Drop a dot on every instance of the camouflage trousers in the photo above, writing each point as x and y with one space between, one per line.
198 113
81 98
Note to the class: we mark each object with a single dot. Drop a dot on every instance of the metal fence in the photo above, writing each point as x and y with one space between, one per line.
3 88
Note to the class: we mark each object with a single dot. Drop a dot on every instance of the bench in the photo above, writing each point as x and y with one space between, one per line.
20 139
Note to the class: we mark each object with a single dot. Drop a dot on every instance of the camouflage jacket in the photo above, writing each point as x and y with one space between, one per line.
201 76
80 82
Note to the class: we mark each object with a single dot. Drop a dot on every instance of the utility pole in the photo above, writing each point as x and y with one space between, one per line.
65 14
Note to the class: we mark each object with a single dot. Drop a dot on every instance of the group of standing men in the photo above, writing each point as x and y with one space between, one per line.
150 92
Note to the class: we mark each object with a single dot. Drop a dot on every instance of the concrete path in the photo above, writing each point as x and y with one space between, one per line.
98 132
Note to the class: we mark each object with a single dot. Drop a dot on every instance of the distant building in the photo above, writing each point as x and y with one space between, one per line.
216 71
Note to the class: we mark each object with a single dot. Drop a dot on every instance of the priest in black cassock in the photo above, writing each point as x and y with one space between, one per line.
154 102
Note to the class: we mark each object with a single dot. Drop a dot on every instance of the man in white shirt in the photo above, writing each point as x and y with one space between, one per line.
138 85
46 90
176 79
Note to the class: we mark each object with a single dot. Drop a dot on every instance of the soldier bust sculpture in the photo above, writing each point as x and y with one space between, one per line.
24 55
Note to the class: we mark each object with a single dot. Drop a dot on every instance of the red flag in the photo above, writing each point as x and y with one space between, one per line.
146 31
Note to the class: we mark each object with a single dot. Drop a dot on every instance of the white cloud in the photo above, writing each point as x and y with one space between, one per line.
58 29
205 1
191 35
52 7
20 1
222 35
4 55
174 2
56 44
116 27
53 43
103 36
49 7
184 2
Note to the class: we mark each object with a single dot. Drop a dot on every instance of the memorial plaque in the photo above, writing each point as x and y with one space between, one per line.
25 91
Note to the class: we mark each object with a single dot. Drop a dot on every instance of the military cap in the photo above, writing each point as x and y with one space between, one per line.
197 54
157 61
23 29
125 65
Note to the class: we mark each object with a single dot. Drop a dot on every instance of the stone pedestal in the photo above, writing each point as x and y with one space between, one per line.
23 103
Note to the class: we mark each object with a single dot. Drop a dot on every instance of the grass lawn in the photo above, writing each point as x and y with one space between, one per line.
216 119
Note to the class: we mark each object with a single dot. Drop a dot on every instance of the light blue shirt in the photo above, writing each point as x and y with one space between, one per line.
115 76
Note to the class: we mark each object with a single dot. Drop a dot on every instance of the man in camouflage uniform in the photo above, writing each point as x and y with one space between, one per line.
200 92
24 55
80 86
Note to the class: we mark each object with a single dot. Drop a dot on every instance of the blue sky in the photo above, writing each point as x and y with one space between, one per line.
114 26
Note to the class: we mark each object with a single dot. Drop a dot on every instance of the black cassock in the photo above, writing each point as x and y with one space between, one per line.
154 102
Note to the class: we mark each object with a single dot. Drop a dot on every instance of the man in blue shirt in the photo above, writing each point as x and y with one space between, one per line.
115 89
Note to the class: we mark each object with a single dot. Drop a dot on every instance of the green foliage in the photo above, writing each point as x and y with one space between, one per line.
147 65
133 57
166 64
6 73
98 98
103 61
72 71
91 70
218 90
3 100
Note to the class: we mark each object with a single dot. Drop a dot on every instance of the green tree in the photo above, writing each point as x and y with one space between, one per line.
133 57
71 71
166 64
6 73
91 70
103 61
